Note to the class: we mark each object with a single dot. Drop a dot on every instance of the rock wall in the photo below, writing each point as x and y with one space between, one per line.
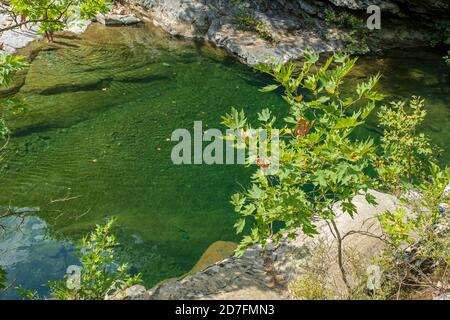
294 25
215 21
430 8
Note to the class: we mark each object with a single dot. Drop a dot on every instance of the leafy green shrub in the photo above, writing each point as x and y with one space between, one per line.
441 34
313 284
356 43
246 20
407 153
418 242
310 286
9 65
100 275
262 29
28 294
397 226
317 282
320 163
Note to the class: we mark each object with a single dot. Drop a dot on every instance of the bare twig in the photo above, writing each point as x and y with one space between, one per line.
83 214
67 198
340 258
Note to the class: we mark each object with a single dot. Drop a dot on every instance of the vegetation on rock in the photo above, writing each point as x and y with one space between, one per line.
407 153
249 22
358 39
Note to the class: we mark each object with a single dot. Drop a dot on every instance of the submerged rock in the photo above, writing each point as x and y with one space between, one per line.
216 252
388 6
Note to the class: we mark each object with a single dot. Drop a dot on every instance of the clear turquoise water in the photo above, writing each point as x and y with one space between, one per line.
100 111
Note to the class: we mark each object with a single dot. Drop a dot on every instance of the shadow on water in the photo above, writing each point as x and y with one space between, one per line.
98 85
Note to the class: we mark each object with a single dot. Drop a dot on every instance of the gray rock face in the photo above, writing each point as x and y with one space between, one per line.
136 292
428 7
388 6
260 274
215 21
294 25
17 39
445 296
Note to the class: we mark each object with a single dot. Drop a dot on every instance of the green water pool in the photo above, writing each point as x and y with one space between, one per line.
94 143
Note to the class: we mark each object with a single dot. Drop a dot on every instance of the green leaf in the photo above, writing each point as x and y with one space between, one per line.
348 207
264 115
371 199
269 88
311 56
347 123
235 119
9 64
239 225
